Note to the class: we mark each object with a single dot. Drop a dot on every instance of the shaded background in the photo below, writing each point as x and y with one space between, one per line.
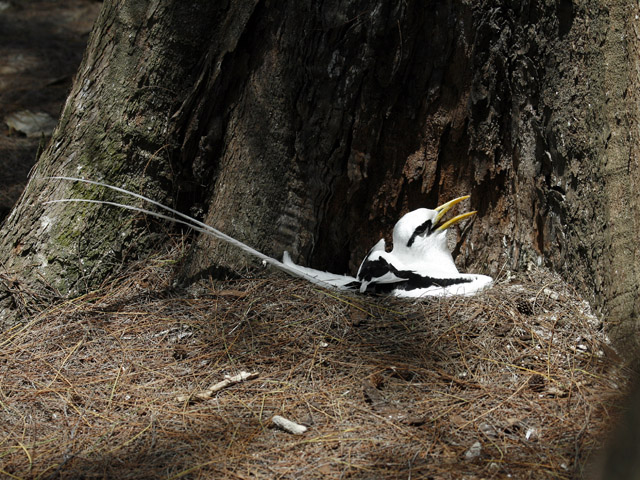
41 46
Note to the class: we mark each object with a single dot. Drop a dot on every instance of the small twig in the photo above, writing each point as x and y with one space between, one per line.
288 425
228 381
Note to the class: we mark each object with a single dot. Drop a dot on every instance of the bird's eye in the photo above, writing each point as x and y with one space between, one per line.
424 228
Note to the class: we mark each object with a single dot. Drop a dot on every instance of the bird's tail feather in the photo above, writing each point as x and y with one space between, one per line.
191 222
341 282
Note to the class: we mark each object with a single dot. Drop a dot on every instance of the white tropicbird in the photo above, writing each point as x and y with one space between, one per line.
420 263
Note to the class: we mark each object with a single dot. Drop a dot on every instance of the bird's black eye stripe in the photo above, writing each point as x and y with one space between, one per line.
420 229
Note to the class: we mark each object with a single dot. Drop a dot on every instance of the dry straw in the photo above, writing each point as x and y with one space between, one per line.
518 381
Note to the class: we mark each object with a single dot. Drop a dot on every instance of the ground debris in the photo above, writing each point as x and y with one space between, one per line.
208 393
288 426
474 451
447 387
31 124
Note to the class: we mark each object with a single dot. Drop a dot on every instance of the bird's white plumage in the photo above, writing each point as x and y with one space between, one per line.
428 252
419 264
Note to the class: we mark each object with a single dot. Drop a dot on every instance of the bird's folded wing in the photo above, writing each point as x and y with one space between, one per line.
376 269
379 274
463 285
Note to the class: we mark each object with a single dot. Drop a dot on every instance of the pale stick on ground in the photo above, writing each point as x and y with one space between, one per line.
228 381
288 425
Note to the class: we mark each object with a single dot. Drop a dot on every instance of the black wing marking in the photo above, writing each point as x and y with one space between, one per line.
406 279
372 269
380 246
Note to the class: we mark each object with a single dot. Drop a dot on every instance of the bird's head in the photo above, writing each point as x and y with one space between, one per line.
422 229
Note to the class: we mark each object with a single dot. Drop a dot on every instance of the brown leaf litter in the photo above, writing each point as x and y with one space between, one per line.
517 382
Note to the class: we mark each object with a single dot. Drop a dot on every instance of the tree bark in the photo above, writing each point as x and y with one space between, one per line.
141 61
313 126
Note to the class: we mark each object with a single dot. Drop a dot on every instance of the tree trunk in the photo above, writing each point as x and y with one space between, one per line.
141 62
313 126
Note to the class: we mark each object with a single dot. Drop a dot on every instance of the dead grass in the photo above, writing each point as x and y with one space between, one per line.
389 389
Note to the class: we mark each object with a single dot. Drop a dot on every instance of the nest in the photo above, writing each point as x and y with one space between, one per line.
518 381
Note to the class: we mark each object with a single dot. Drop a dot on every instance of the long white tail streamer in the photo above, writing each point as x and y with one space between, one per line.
342 282
195 225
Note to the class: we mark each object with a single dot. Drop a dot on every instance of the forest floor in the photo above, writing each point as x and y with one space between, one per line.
516 382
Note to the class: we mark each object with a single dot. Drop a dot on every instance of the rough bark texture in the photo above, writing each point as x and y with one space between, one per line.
313 126
619 261
374 110
114 127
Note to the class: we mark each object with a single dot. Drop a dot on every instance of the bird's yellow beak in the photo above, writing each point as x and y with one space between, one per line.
444 208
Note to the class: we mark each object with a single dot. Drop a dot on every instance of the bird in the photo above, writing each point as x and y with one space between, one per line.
419 265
